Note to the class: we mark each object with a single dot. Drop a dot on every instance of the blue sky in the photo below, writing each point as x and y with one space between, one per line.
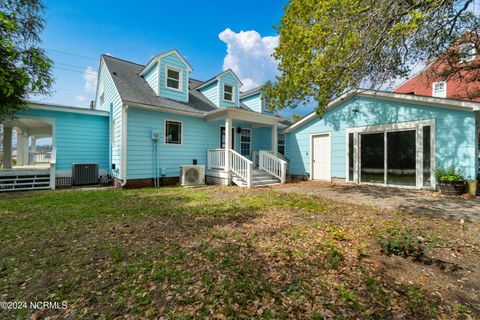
77 32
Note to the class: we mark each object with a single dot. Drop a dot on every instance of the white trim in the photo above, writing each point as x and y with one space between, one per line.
217 78
395 127
225 84
312 136
60 108
160 56
180 79
435 102
165 132
444 93
242 115
249 143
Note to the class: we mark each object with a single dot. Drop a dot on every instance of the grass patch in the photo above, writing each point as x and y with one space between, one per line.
208 252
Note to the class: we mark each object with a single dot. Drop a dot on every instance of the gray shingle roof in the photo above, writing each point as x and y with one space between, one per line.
251 91
135 89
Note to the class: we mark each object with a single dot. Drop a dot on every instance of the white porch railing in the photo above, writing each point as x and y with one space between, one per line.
40 157
216 159
242 167
274 165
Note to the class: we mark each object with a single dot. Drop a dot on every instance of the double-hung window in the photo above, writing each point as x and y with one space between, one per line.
173 132
174 79
281 143
245 142
439 89
228 93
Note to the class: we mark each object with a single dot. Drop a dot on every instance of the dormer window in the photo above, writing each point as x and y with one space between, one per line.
439 89
228 93
174 79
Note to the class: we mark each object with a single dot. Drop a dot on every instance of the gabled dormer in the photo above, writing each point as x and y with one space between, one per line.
255 99
223 90
168 74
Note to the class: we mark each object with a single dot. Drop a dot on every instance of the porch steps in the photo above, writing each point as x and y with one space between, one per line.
260 179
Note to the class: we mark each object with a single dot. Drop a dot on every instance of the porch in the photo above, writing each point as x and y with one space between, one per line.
239 163
23 164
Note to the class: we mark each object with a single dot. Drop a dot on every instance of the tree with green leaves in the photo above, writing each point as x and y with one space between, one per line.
329 47
25 69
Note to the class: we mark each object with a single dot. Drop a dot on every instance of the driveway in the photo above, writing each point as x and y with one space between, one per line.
415 201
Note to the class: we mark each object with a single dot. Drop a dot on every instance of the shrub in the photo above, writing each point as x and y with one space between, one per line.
449 174
403 243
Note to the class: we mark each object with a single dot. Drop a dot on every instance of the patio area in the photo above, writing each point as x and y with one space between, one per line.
414 201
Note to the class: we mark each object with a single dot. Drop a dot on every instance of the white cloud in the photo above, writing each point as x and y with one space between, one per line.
80 98
249 56
90 76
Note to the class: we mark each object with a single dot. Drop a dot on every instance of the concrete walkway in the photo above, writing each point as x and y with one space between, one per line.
420 202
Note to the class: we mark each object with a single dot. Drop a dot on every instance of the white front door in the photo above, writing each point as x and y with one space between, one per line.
321 157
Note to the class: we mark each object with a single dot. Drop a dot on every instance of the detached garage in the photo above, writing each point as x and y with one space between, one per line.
387 139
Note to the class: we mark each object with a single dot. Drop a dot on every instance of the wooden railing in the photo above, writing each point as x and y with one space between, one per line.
216 159
242 167
273 164
40 157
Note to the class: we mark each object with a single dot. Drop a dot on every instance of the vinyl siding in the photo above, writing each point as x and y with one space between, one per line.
78 138
254 102
211 92
198 136
228 78
152 77
172 60
262 139
113 104
455 141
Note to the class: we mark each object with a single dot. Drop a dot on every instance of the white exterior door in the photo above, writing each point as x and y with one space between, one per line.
321 156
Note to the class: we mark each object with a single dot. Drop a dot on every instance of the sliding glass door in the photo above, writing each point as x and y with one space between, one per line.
398 154
401 158
372 164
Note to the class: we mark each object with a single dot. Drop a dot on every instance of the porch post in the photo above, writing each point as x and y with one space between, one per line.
22 148
7 147
33 149
274 139
228 145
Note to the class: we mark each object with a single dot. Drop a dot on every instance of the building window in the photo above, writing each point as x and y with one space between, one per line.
113 132
281 143
439 89
174 79
222 138
173 132
245 142
102 98
228 92
468 52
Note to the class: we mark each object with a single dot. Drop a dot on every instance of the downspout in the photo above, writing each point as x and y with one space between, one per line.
110 151
123 162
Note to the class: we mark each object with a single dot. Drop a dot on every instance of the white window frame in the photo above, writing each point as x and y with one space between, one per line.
444 95
234 137
249 143
233 92
165 133
180 79
470 52
400 126
284 142
102 98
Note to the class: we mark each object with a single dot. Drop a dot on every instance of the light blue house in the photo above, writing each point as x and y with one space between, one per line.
149 121
386 139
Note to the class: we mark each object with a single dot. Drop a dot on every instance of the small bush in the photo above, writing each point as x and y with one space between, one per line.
449 174
116 254
403 243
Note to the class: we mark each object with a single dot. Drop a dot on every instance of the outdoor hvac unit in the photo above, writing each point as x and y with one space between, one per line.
192 175
84 174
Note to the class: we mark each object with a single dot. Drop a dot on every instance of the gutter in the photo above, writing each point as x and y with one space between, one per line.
123 163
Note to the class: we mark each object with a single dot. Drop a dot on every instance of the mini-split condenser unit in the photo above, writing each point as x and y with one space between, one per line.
192 175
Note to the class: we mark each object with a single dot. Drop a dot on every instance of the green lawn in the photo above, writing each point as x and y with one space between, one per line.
217 252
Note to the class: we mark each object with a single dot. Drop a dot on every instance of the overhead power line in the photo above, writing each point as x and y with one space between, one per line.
72 54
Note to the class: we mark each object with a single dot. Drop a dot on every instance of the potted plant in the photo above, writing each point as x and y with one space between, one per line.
450 180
